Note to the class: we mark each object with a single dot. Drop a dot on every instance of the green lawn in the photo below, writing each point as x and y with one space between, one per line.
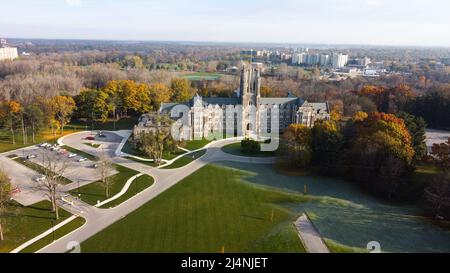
193 145
198 76
25 223
131 150
45 136
81 153
183 161
141 183
61 232
96 191
235 149
93 145
110 125
38 168
201 214
335 247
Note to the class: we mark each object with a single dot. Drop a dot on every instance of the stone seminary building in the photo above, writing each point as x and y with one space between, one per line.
247 114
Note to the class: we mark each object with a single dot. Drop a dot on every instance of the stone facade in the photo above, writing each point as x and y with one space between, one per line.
247 114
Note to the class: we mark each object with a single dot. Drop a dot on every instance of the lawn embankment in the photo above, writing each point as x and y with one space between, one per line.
24 223
96 191
236 149
211 210
185 160
46 136
57 234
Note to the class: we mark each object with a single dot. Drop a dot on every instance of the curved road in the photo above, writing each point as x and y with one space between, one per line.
99 219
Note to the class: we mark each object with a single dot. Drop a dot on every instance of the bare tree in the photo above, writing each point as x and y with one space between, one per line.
106 168
54 169
438 193
5 196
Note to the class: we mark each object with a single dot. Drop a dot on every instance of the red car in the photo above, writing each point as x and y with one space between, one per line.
90 138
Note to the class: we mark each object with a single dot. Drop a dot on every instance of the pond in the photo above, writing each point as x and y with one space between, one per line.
348 216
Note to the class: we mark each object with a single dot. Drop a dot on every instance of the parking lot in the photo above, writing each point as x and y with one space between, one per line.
76 168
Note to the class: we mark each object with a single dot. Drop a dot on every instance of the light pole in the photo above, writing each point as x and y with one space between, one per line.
79 194
53 229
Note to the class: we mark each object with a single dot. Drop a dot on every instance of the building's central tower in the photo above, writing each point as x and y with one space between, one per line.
250 96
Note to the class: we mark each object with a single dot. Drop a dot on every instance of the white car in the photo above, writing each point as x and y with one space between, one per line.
82 159
72 155
40 179
31 156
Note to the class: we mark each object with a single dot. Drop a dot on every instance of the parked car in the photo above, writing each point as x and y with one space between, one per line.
72 155
95 166
90 138
31 156
40 179
82 159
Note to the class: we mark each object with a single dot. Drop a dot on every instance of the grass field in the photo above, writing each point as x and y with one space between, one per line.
24 223
131 150
61 232
351 217
46 136
81 153
199 76
141 183
201 214
183 161
235 149
93 145
110 125
193 145
96 191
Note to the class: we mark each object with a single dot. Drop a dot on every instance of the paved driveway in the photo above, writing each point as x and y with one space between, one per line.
23 178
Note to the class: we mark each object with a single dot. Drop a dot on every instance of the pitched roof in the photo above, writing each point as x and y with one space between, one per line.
221 101
280 101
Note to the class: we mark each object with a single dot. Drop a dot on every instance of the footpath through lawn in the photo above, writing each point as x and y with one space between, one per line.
209 210
96 191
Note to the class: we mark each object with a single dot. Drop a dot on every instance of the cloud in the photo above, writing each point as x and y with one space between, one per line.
73 3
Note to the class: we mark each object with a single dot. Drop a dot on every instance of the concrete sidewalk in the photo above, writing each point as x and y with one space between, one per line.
310 236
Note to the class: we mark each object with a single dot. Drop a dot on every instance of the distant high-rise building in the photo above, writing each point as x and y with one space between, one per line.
364 61
339 60
6 52
324 60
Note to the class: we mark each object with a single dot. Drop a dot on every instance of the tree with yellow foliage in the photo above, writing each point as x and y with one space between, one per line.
63 107
159 93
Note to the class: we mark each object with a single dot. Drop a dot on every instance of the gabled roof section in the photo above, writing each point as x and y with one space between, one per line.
282 101
221 101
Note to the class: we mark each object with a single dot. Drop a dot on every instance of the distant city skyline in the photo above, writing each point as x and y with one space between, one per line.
364 22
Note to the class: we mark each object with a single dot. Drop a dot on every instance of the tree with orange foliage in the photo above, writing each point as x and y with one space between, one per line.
382 154
296 145
375 93
440 155
266 91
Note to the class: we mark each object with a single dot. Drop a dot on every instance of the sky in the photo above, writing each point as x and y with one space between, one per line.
371 22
